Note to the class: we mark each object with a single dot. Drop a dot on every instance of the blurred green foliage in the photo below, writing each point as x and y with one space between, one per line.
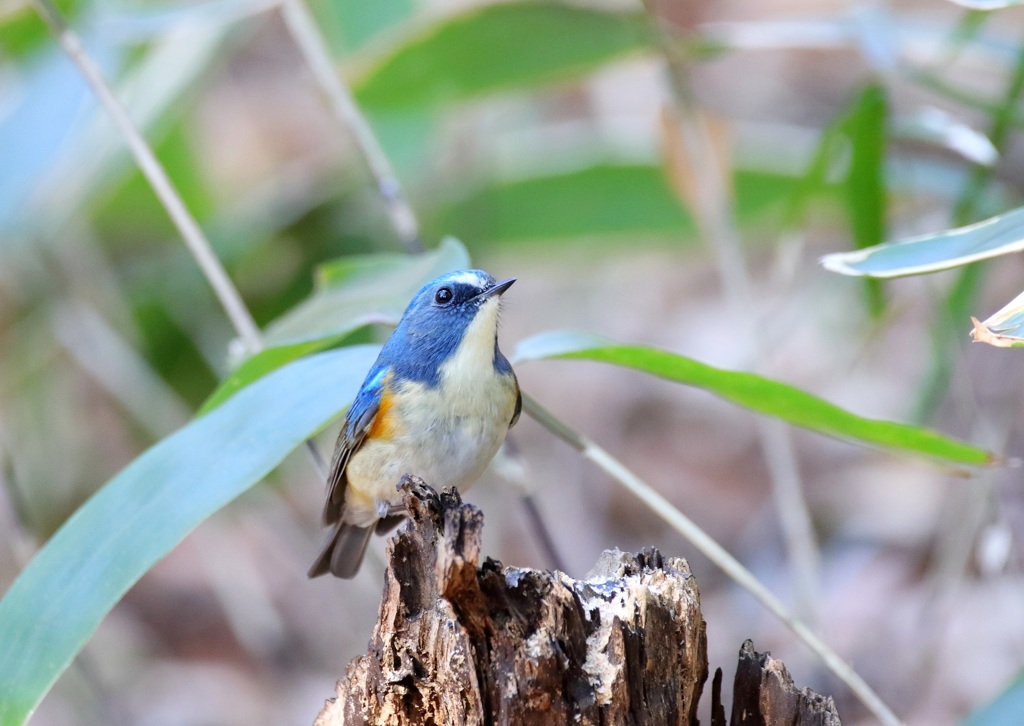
499 47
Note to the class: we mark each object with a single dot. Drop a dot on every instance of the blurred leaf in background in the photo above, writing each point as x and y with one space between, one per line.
498 47
864 129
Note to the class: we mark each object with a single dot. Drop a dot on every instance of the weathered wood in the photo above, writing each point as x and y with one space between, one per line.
764 695
717 709
460 643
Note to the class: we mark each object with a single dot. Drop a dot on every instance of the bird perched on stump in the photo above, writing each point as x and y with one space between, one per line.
437 404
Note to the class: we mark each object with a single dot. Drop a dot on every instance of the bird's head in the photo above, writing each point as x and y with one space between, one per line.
454 313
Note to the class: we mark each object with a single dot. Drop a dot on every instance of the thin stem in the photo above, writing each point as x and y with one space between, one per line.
713 211
714 552
542 535
157 177
311 44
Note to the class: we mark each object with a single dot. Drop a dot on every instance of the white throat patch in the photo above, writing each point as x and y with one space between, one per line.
474 358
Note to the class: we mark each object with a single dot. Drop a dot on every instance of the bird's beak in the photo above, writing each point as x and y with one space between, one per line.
496 289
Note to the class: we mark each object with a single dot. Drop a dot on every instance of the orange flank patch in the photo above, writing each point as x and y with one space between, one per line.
386 420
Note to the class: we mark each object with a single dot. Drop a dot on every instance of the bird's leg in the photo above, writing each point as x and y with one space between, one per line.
389 516
387 509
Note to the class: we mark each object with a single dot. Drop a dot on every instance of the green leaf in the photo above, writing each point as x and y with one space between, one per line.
864 126
971 280
132 211
498 47
58 601
1005 710
349 24
756 393
858 138
999 235
357 291
258 366
351 292
864 188
602 200
22 31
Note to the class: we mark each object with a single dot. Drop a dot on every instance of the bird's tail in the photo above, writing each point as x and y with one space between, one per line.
342 552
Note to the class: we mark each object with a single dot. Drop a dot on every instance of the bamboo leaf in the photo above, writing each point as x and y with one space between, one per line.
606 200
498 47
864 188
58 601
755 392
262 364
999 235
348 26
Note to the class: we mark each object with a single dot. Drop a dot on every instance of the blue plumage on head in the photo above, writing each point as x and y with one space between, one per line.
433 325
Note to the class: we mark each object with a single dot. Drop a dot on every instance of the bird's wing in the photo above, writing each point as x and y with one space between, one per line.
360 419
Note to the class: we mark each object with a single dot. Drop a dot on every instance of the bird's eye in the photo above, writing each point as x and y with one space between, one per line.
443 296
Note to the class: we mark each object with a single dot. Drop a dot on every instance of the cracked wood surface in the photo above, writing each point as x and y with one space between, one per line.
459 642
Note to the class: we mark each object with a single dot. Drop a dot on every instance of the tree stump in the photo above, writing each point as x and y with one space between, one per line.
460 643
764 693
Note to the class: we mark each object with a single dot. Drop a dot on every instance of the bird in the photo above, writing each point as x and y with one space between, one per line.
437 404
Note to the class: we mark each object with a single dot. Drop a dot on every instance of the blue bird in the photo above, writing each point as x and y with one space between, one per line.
437 403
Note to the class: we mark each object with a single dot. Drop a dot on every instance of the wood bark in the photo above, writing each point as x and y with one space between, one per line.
457 642
764 695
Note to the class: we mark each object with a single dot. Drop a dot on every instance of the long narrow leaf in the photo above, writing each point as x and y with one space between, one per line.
604 200
58 601
999 235
864 190
756 393
498 47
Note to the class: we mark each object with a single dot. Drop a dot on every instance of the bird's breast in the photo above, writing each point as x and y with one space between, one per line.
449 433
465 407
